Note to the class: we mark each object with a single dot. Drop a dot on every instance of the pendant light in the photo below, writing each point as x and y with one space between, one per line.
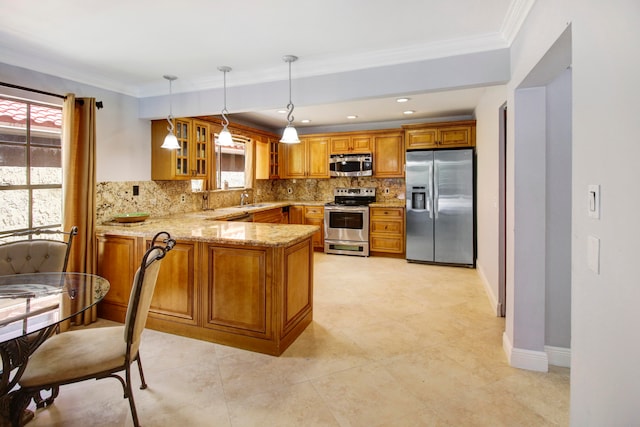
224 137
170 141
290 135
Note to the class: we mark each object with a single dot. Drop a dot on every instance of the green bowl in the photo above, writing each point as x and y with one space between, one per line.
131 217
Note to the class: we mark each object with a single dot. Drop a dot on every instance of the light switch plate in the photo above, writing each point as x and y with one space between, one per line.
593 202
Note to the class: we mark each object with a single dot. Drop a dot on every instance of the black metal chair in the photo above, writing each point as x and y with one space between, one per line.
28 252
95 353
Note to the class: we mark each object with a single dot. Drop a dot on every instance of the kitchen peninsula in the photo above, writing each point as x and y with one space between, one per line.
242 284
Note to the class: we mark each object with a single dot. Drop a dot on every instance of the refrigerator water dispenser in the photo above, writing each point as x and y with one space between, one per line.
418 200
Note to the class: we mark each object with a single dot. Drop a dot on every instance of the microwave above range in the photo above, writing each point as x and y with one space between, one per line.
351 164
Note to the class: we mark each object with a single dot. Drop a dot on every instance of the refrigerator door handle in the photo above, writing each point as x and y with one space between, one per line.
436 194
430 198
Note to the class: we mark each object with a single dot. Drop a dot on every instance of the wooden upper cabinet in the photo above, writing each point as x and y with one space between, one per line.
294 160
388 155
262 158
191 160
274 158
317 157
308 159
267 158
348 144
440 135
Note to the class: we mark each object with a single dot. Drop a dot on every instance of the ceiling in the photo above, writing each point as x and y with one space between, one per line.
127 46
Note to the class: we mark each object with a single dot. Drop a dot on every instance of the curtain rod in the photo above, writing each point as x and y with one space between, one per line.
80 101
32 90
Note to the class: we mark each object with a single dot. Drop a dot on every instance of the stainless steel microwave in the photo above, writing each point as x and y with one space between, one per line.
351 165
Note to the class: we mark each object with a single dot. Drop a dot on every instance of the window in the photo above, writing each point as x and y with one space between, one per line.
30 164
230 163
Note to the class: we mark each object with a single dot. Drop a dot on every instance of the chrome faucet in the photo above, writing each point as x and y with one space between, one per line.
243 198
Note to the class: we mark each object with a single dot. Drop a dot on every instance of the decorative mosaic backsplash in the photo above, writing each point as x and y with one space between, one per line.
160 198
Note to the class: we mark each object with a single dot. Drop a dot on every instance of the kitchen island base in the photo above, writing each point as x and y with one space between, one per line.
253 297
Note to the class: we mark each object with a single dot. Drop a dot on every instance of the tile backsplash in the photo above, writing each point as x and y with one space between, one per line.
160 198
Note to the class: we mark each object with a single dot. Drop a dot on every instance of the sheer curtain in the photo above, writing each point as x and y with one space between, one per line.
79 185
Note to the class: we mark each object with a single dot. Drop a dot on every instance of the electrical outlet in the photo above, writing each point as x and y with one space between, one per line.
386 190
289 190
183 198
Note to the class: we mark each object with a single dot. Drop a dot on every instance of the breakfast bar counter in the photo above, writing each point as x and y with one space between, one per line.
242 284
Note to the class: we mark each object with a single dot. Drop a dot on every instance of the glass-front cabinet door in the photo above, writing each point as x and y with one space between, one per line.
182 153
191 160
201 146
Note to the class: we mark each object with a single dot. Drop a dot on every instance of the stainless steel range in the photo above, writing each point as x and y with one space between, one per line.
346 221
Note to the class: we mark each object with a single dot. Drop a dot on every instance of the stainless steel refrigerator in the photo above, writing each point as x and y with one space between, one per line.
440 206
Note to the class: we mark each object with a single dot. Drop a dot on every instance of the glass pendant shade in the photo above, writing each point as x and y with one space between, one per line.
224 137
170 142
290 135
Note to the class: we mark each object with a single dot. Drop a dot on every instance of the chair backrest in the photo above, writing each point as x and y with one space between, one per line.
32 254
144 283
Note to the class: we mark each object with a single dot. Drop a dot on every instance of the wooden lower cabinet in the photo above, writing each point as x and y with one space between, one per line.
235 295
310 215
175 295
314 215
251 297
275 216
296 214
386 231
118 259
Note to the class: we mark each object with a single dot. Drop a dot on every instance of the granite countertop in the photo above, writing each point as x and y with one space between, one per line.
395 203
211 226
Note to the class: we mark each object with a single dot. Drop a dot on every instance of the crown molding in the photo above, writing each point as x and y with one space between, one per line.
513 20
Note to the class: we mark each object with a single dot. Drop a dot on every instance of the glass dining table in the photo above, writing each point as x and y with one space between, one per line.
32 307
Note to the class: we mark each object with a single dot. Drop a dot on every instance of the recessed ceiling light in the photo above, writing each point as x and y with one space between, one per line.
282 111
352 117
305 121
402 99
408 112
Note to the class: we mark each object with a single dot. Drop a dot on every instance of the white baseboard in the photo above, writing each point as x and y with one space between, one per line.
487 288
558 356
525 359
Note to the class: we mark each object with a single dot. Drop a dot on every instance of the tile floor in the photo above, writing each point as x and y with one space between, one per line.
392 344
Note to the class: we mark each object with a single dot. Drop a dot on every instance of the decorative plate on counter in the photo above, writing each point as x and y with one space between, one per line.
131 217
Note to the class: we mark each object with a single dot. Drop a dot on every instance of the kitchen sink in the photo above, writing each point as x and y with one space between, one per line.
245 217
253 205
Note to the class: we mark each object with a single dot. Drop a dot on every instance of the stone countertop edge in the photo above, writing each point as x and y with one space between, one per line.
212 231
388 204
210 226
